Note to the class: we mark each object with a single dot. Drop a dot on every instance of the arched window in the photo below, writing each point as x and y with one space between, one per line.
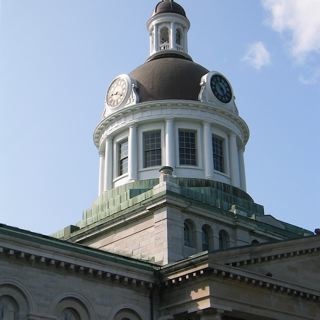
178 37
71 308
8 308
189 236
224 239
206 236
255 242
164 38
127 314
69 314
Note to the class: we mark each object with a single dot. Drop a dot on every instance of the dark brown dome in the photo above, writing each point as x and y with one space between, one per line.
168 76
168 6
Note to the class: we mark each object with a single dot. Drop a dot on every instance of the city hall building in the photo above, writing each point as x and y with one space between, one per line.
173 234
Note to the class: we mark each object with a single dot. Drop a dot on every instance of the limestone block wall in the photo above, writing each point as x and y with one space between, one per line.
143 238
41 292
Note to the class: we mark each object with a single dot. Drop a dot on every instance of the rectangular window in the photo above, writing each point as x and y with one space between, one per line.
152 148
187 147
123 157
218 153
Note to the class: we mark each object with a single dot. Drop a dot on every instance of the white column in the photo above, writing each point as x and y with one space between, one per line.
185 40
234 160
170 143
156 38
207 147
242 170
133 153
172 36
101 172
108 166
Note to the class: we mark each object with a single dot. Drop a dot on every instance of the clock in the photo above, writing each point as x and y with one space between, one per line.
221 88
119 91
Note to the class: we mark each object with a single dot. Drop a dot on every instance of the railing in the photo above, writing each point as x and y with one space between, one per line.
164 46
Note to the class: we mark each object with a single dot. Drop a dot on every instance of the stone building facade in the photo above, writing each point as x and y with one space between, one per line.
173 233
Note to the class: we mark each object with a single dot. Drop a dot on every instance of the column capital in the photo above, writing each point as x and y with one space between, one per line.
133 125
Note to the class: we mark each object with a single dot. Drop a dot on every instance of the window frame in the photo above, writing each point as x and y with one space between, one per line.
224 239
220 158
121 159
196 148
159 148
189 234
207 231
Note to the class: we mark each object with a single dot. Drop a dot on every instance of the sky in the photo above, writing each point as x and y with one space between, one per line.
58 57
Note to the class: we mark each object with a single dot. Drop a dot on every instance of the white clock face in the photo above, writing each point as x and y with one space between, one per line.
117 92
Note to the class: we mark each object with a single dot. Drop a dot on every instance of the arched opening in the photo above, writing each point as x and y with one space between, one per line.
71 309
255 242
224 240
164 38
206 237
69 314
8 308
127 314
189 234
179 39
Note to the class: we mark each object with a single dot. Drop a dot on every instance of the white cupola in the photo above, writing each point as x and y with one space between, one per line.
168 28
170 112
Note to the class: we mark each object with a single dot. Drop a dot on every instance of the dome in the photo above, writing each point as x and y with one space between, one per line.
168 6
168 76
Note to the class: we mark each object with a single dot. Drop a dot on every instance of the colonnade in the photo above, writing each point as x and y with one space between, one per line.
234 155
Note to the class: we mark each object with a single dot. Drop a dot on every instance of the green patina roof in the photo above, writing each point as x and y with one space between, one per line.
128 198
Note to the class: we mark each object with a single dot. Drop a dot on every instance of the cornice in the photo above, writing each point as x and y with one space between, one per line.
168 104
79 268
227 273
261 258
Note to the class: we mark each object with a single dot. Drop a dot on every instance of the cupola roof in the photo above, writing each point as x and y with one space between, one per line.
168 6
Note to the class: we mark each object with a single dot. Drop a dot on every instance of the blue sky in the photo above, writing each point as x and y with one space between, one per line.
57 58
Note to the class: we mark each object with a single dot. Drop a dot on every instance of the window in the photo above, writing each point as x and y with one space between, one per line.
218 153
123 157
71 308
8 308
224 240
127 314
187 147
69 314
189 234
152 148
206 237
255 242
178 37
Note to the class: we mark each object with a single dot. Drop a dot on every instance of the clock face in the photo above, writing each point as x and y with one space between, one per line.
221 88
117 92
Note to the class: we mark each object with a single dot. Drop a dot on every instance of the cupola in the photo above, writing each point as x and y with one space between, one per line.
168 28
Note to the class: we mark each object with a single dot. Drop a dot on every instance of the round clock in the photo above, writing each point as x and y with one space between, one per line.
221 88
118 91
